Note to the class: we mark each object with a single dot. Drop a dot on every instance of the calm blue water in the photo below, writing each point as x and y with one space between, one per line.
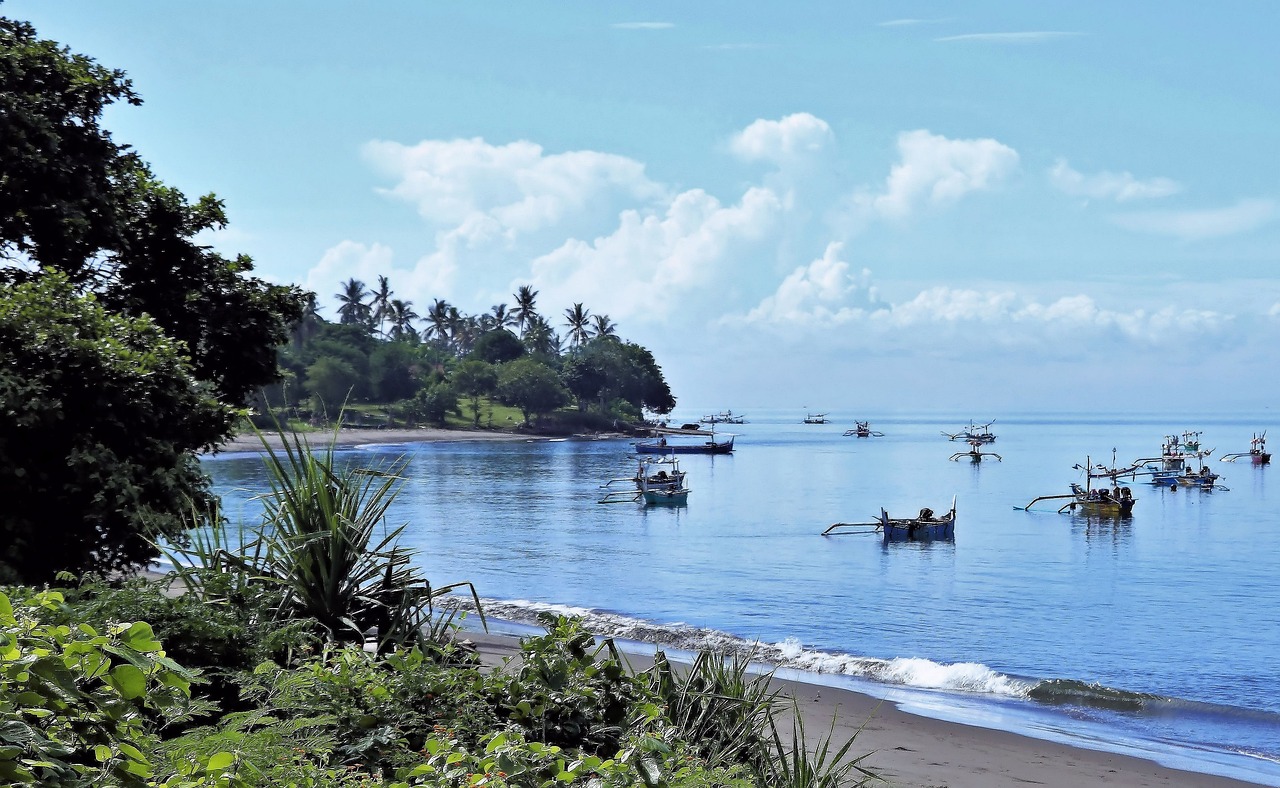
1157 635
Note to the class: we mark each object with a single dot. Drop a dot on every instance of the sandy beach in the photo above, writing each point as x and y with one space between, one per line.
911 751
346 437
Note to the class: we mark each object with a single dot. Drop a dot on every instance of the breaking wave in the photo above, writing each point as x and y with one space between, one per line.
790 653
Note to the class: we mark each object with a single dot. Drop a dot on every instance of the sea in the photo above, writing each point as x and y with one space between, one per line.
1155 635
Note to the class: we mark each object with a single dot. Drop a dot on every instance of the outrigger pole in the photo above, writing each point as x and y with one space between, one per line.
868 528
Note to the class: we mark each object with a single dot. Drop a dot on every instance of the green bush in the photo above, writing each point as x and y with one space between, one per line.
75 703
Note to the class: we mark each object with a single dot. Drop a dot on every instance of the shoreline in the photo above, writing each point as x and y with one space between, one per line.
349 437
910 750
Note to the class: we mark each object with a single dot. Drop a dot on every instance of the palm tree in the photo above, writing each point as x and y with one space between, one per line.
402 317
602 326
526 307
577 320
438 321
310 323
354 311
381 303
502 318
540 338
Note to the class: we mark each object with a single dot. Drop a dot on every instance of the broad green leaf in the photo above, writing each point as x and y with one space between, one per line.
128 681
220 761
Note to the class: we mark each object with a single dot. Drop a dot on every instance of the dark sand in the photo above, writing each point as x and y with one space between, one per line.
346 438
911 751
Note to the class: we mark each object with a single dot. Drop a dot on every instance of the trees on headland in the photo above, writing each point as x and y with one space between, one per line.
351 361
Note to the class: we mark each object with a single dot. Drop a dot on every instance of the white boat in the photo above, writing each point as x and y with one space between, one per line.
1257 452
658 480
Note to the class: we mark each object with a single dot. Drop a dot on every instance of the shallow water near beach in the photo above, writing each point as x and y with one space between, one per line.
1156 635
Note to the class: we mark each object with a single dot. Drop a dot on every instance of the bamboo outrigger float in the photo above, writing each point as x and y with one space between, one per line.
925 527
975 453
1107 501
862 429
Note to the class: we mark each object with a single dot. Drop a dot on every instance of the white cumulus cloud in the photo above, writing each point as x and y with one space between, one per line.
1121 187
1242 217
517 184
655 264
821 293
936 170
780 141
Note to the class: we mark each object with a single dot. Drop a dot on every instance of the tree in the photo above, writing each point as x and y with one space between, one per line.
354 311
438 322
498 346
585 375
393 368
104 419
526 307
531 386
402 317
578 319
381 304
333 381
73 200
475 379
602 326
540 339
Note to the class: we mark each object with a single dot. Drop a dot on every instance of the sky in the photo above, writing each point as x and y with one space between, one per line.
844 206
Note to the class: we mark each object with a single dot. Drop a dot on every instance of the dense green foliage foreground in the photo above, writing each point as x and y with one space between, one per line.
312 653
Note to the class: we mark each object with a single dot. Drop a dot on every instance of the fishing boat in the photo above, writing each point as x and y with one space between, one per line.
975 453
1257 452
974 432
815 418
924 527
676 445
1180 464
658 480
862 429
727 417
1108 500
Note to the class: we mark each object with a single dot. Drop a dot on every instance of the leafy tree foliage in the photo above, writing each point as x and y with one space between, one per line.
531 386
475 379
103 419
497 346
74 200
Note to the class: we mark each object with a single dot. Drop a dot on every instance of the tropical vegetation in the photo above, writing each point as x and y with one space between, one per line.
380 352
308 651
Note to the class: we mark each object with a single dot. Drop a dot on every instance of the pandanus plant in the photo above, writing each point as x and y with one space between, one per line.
325 550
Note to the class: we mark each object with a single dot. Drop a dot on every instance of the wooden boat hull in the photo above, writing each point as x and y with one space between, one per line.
707 447
919 529
1101 508
666 497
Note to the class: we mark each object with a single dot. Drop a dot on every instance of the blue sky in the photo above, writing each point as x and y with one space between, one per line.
989 206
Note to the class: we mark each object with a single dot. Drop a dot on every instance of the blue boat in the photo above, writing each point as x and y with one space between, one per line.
925 527
664 446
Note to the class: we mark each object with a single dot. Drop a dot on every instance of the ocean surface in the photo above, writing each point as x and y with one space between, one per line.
1157 635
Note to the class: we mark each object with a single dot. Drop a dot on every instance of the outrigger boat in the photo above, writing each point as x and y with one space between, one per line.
1173 468
1107 501
815 418
663 446
862 429
1257 452
924 527
657 481
974 432
975 453
728 417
